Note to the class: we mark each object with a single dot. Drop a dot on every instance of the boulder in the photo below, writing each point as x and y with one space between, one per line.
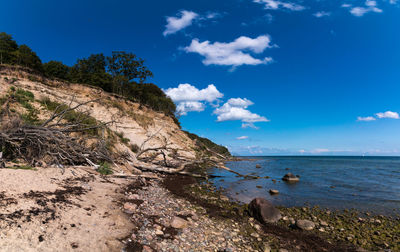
178 222
290 178
258 166
305 225
263 210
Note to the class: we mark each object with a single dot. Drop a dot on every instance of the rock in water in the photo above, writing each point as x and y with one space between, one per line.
290 178
272 191
178 223
258 166
262 210
305 225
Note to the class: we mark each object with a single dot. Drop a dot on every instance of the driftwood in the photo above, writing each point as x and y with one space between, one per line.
55 142
52 141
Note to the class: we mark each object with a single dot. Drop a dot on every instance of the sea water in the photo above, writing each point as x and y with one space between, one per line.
363 183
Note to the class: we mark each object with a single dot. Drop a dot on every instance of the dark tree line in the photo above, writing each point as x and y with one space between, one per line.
121 73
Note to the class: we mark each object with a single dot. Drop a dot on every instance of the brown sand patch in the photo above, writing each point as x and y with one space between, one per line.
46 210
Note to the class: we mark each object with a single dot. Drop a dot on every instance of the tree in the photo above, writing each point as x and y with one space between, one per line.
7 47
26 57
56 69
92 71
128 65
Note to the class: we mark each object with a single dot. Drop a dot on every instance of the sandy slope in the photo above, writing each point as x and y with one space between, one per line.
136 122
46 210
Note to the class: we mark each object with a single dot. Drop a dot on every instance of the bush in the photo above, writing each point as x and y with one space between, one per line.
134 148
204 143
105 169
72 116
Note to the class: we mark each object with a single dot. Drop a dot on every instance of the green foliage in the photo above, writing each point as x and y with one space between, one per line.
25 98
72 116
8 47
121 73
152 96
128 65
24 56
92 71
204 143
56 69
122 138
134 148
105 169
24 167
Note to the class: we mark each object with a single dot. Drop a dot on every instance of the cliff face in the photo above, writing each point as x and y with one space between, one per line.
136 124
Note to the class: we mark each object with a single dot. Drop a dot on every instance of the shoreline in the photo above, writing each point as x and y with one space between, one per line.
80 210
346 229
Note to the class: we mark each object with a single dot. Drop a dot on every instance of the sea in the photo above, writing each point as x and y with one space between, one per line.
370 184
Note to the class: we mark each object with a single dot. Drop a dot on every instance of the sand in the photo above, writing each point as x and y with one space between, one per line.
46 210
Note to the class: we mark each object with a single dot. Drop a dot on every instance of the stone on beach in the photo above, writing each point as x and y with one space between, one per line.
129 208
305 225
179 223
289 177
263 210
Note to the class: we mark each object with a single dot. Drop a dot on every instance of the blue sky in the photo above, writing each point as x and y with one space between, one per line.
259 76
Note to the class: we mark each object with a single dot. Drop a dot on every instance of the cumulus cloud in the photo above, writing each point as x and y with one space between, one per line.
235 109
189 98
187 92
189 106
276 4
388 114
175 24
242 137
365 119
370 6
234 53
320 14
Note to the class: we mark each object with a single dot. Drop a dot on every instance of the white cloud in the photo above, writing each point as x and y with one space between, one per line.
388 114
239 102
235 53
189 106
276 4
393 1
189 98
365 119
320 14
175 24
186 18
318 151
242 137
187 92
370 6
235 109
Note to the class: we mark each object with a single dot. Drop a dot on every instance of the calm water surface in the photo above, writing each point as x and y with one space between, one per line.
363 183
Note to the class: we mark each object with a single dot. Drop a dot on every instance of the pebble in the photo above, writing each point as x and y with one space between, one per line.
129 208
178 222
305 225
324 223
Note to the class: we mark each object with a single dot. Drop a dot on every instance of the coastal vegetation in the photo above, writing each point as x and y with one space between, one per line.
121 73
